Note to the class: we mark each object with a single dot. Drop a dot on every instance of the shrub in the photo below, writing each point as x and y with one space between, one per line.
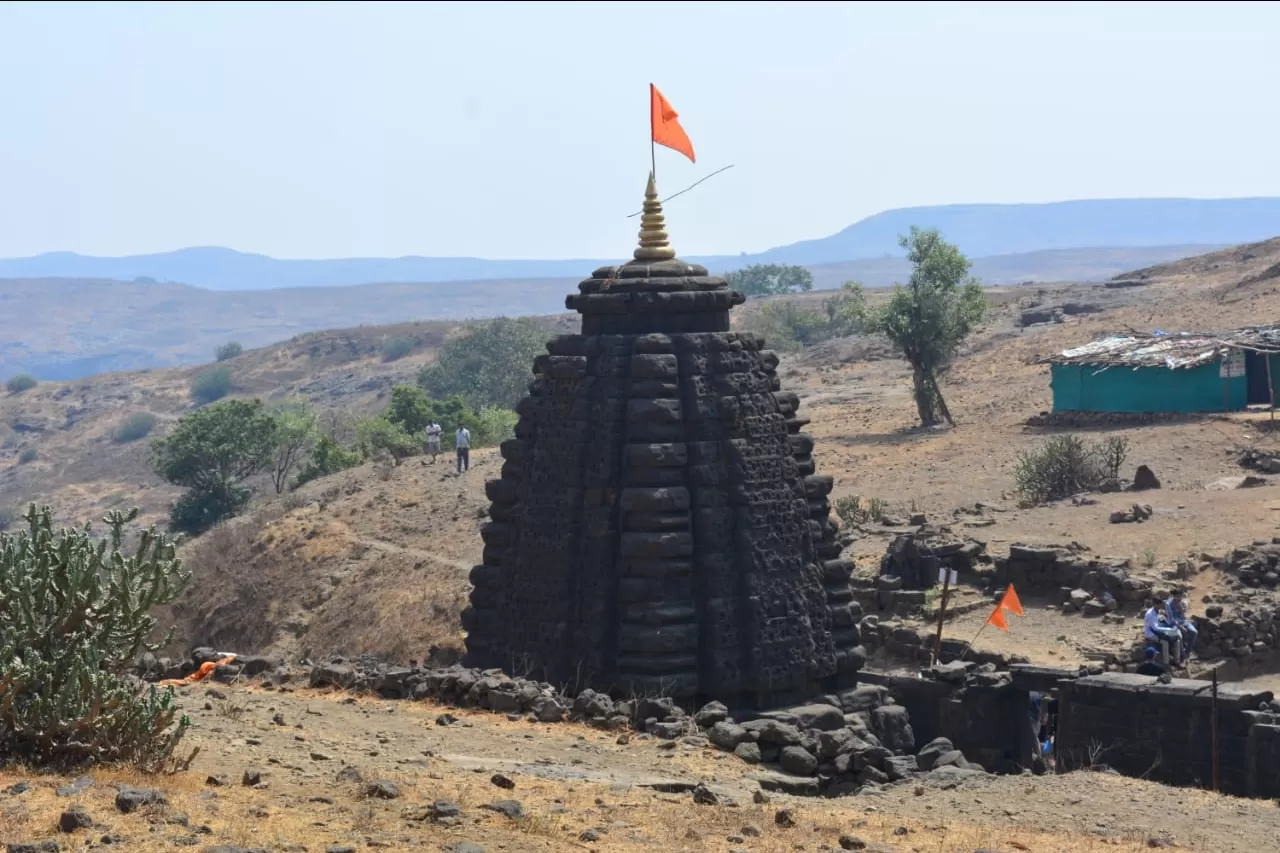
21 382
77 613
494 426
397 348
229 350
8 515
379 435
855 510
28 454
1065 465
211 385
327 457
135 426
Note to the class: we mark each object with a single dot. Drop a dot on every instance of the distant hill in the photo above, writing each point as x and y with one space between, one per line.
70 328
980 230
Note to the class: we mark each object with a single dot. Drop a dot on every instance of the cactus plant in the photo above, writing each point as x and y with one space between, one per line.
74 614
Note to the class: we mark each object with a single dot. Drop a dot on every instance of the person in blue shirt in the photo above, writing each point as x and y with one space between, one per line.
1155 629
1176 612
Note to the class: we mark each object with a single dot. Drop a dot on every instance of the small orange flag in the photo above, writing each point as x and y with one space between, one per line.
1010 601
997 619
664 124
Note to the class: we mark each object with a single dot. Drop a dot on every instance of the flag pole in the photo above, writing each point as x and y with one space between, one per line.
653 157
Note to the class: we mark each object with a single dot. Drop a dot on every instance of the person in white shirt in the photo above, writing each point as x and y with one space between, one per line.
462 441
1152 629
433 440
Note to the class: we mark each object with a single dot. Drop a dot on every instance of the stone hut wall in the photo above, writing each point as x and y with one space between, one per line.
1141 727
1056 570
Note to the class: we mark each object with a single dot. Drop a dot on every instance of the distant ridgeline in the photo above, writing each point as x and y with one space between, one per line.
980 230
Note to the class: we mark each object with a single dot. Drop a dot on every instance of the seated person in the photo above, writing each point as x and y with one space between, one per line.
1155 629
1149 666
1178 614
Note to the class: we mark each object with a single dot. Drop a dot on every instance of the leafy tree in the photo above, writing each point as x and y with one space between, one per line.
135 426
296 432
489 366
77 612
229 350
21 382
211 452
211 385
494 426
381 435
929 317
770 280
412 410
327 457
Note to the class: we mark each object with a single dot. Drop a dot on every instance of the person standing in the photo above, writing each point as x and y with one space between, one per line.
433 440
462 441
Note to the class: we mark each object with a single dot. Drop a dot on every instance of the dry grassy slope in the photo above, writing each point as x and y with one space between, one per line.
82 472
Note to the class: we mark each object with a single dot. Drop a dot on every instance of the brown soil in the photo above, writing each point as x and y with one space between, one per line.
574 783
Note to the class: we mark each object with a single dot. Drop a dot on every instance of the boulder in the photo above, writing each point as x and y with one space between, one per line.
928 756
892 725
797 761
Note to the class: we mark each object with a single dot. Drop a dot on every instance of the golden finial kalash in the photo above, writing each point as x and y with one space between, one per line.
653 228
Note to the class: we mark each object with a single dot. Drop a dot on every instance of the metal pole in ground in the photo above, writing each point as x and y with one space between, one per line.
1213 723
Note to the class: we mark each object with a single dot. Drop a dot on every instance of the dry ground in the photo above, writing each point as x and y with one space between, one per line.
575 784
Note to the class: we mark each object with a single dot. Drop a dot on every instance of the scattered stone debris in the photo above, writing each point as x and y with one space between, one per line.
1134 514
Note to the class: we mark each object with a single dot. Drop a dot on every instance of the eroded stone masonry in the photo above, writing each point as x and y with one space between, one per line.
658 527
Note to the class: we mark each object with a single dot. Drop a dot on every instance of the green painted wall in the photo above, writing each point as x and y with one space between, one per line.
1087 388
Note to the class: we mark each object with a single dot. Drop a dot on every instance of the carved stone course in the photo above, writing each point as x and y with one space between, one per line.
658 527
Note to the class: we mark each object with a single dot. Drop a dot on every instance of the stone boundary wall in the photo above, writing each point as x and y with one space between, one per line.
1141 727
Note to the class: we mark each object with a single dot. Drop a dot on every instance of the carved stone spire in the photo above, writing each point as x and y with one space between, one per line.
653 228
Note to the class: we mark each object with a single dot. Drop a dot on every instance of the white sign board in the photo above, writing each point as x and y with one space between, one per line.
942 577
1232 366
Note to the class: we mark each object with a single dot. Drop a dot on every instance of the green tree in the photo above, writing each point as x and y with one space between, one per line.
411 410
490 366
327 457
296 432
77 611
928 318
770 280
229 350
21 382
211 385
211 452
381 435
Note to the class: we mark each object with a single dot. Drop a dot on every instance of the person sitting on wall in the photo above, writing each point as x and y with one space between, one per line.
1178 614
1155 628
1149 666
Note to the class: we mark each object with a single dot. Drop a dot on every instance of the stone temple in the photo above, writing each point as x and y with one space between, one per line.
658 527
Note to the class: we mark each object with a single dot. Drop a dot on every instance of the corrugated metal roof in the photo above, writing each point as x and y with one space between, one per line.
1183 349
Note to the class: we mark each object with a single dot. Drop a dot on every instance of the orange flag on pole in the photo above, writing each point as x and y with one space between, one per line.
664 125
1010 601
997 619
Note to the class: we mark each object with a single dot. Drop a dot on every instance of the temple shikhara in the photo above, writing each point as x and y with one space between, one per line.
658 526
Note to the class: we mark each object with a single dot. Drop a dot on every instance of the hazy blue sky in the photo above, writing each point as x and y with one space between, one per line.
521 130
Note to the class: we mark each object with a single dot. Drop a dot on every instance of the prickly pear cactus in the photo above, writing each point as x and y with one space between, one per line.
74 615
